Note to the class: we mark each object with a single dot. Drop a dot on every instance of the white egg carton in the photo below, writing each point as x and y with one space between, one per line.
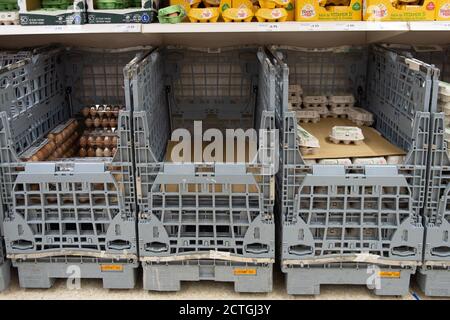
295 88
364 161
360 116
395 159
315 101
308 143
444 107
341 100
307 115
346 135
343 161
444 91
322 110
9 18
338 111
447 134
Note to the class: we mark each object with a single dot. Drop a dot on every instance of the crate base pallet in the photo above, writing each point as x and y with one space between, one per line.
307 280
5 275
246 277
434 282
115 275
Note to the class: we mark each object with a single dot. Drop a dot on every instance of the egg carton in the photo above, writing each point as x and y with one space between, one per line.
341 161
338 111
271 4
315 101
203 15
395 159
360 116
295 98
271 15
295 88
444 91
322 110
211 3
447 134
9 18
341 100
237 15
306 116
443 107
346 135
369 161
306 139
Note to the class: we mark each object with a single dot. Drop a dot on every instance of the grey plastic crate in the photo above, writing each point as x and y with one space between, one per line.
203 221
75 211
434 276
339 221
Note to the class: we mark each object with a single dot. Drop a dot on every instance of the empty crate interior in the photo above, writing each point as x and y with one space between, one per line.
203 93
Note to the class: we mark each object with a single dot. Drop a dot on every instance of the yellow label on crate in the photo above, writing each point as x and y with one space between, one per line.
389 274
243 272
111 267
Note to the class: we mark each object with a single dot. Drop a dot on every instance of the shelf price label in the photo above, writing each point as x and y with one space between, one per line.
312 27
127 28
269 27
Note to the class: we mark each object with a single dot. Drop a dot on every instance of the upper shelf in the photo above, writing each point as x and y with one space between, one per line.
222 34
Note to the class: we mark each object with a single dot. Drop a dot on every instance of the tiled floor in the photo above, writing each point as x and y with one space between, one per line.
92 289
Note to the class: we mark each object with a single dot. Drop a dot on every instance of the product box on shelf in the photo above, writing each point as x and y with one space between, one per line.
385 10
9 12
319 10
125 11
52 12
443 10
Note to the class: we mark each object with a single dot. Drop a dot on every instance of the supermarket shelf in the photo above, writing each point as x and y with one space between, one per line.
222 34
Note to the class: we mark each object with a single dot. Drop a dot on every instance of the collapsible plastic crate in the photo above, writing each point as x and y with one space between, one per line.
204 220
357 224
434 276
8 60
69 238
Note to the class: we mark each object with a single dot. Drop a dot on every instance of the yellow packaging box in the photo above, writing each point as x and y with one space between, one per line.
186 4
443 10
315 10
385 10
224 4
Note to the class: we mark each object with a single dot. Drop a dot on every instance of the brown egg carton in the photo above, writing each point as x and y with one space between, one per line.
60 143
96 152
102 110
98 122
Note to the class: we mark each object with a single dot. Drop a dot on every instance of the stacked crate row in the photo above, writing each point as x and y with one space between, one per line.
342 223
196 220
61 211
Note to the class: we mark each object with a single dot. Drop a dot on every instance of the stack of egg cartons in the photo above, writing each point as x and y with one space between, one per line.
444 106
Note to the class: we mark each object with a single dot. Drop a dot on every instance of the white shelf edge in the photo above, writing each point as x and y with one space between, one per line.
221 27
72 29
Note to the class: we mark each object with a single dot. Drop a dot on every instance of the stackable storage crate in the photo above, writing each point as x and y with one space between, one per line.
204 220
434 276
354 224
8 60
69 237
